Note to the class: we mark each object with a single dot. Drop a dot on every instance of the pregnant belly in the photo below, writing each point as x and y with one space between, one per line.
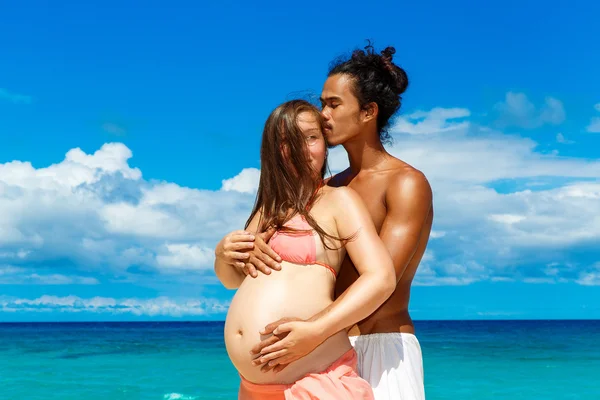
295 291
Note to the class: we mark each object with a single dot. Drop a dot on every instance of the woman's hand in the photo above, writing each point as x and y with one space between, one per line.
292 339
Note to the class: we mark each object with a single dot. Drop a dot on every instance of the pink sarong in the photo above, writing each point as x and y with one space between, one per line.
339 381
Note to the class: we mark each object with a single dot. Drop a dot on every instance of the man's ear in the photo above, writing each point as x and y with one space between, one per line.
370 112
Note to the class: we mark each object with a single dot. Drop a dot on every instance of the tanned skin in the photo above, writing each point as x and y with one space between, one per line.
398 198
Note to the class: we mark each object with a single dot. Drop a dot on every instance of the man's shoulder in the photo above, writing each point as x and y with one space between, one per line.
406 180
407 173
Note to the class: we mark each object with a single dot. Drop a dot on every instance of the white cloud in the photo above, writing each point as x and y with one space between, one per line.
78 168
518 110
479 156
245 182
140 220
547 210
113 128
498 314
435 272
14 97
160 306
508 219
96 213
539 280
594 125
434 121
10 275
185 257
591 276
589 279
560 138
56 279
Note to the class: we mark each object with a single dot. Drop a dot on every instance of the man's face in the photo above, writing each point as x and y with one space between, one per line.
341 110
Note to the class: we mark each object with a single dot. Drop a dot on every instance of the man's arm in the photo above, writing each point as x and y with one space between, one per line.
409 202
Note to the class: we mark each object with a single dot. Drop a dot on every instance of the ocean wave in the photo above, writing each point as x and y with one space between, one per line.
178 396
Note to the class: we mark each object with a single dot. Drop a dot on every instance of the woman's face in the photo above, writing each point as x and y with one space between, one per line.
315 141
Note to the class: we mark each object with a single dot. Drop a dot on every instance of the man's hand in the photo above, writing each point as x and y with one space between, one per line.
292 339
248 253
262 257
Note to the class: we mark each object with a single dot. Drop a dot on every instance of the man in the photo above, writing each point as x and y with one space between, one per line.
358 99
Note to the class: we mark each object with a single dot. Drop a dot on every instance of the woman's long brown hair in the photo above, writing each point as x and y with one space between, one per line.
288 185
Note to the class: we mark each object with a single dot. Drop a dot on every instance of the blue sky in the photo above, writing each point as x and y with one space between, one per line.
130 134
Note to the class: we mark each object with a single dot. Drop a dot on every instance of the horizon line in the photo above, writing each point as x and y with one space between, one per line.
223 321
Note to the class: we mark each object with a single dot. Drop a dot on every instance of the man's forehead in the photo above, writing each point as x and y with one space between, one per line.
335 88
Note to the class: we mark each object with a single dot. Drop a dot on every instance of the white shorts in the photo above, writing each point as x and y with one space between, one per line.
392 363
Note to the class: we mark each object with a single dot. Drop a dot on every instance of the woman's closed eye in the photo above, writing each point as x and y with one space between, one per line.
312 139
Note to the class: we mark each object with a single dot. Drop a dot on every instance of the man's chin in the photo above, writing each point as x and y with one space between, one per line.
331 143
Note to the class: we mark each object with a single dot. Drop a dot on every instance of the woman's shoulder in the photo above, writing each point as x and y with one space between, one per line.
338 192
338 197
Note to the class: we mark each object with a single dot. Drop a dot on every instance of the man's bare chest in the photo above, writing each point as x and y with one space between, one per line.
373 196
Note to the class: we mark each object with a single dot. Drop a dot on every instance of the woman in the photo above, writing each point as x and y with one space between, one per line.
315 226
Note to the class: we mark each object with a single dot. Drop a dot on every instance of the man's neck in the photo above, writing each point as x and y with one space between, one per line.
365 153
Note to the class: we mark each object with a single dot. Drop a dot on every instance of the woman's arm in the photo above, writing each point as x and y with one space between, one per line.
377 279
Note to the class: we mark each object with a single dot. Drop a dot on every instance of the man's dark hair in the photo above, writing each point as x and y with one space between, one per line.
375 79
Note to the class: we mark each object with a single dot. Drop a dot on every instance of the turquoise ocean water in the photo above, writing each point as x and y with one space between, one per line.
187 360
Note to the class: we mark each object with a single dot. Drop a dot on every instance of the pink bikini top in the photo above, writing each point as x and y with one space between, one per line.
297 247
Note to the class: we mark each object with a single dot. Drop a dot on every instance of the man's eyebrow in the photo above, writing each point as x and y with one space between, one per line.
330 98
